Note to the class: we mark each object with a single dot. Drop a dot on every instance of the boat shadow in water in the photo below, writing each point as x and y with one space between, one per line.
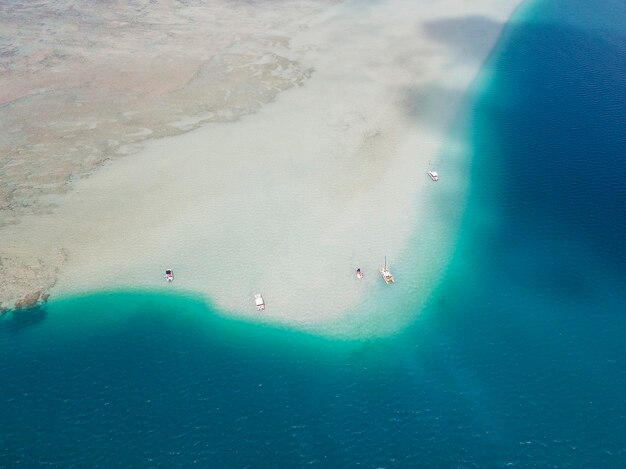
17 320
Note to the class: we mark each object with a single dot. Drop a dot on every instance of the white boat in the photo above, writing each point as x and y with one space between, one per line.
434 175
169 275
384 272
260 304
359 274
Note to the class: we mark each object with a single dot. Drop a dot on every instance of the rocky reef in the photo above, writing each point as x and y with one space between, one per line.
31 300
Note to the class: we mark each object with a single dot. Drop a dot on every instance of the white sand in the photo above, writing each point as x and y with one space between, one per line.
290 200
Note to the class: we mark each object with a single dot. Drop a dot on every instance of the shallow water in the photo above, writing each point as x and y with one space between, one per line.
517 359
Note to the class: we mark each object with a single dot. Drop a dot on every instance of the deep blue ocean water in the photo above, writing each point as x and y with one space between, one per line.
519 358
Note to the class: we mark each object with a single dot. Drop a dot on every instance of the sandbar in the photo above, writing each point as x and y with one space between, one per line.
289 196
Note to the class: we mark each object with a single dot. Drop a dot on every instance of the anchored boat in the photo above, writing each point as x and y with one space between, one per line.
384 272
258 300
434 175
169 275
359 274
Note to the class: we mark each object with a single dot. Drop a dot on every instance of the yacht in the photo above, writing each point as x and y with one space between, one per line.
258 300
434 175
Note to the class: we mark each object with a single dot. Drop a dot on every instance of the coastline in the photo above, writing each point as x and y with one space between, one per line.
516 359
355 193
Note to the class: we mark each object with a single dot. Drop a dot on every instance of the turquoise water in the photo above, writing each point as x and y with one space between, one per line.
518 358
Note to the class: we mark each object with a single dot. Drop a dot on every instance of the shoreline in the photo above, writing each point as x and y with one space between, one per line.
354 193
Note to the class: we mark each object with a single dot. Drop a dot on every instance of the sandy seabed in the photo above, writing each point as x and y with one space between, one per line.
317 167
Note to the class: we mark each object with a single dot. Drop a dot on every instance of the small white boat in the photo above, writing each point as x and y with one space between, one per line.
169 275
258 300
359 274
384 272
434 175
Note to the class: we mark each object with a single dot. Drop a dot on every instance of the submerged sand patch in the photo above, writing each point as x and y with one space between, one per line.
291 199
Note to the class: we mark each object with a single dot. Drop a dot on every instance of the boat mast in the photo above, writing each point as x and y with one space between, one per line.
385 262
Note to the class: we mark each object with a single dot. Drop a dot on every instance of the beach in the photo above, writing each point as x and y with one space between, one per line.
311 163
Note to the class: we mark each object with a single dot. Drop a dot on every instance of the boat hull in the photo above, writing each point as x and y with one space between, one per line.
387 277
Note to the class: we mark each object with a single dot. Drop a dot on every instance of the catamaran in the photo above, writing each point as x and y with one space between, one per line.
434 175
384 272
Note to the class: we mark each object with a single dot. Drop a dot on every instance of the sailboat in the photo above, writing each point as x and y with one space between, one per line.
384 272
434 175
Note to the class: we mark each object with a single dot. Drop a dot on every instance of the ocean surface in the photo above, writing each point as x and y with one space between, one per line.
519 358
